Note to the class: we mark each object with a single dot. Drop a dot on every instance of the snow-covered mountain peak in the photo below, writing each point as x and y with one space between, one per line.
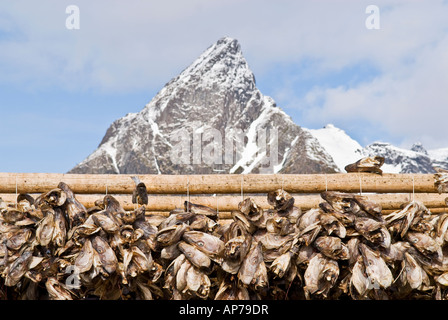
342 148
418 147
222 64
215 94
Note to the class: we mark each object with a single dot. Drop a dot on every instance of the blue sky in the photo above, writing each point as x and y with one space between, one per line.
60 89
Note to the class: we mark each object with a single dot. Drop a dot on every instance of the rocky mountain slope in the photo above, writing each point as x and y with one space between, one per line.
209 119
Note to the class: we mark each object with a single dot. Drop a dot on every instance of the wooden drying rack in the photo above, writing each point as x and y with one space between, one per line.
223 192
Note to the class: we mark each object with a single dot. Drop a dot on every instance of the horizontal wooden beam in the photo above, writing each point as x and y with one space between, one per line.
220 183
388 201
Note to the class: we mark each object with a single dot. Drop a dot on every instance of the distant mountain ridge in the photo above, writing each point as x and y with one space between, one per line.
343 149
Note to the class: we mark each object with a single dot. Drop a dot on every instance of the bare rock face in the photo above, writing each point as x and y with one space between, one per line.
209 119
399 160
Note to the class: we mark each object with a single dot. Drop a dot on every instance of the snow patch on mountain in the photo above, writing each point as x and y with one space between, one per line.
341 147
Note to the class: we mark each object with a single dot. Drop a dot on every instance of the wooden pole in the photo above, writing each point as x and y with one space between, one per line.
388 201
220 183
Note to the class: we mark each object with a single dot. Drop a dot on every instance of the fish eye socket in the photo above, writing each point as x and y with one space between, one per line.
200 243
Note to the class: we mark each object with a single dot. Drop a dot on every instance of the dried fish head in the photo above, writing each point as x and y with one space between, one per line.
126 232
196 257
332 247
143 260
339 201
198 283
413 274
203 223
172 270
207 243
425 244
107 256
140 193
170 235
15 271
57 290
359 278
376 268
281 200
332 224
371 207
44 232
281 265
366 164
105 222
235 250
243 221
11 215
201 210
84 259
320 275
60 229
250 264
17 238
250 209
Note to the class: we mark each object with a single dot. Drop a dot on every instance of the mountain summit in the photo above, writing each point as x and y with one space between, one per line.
209 119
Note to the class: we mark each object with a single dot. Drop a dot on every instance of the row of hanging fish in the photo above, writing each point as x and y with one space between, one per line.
52 247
